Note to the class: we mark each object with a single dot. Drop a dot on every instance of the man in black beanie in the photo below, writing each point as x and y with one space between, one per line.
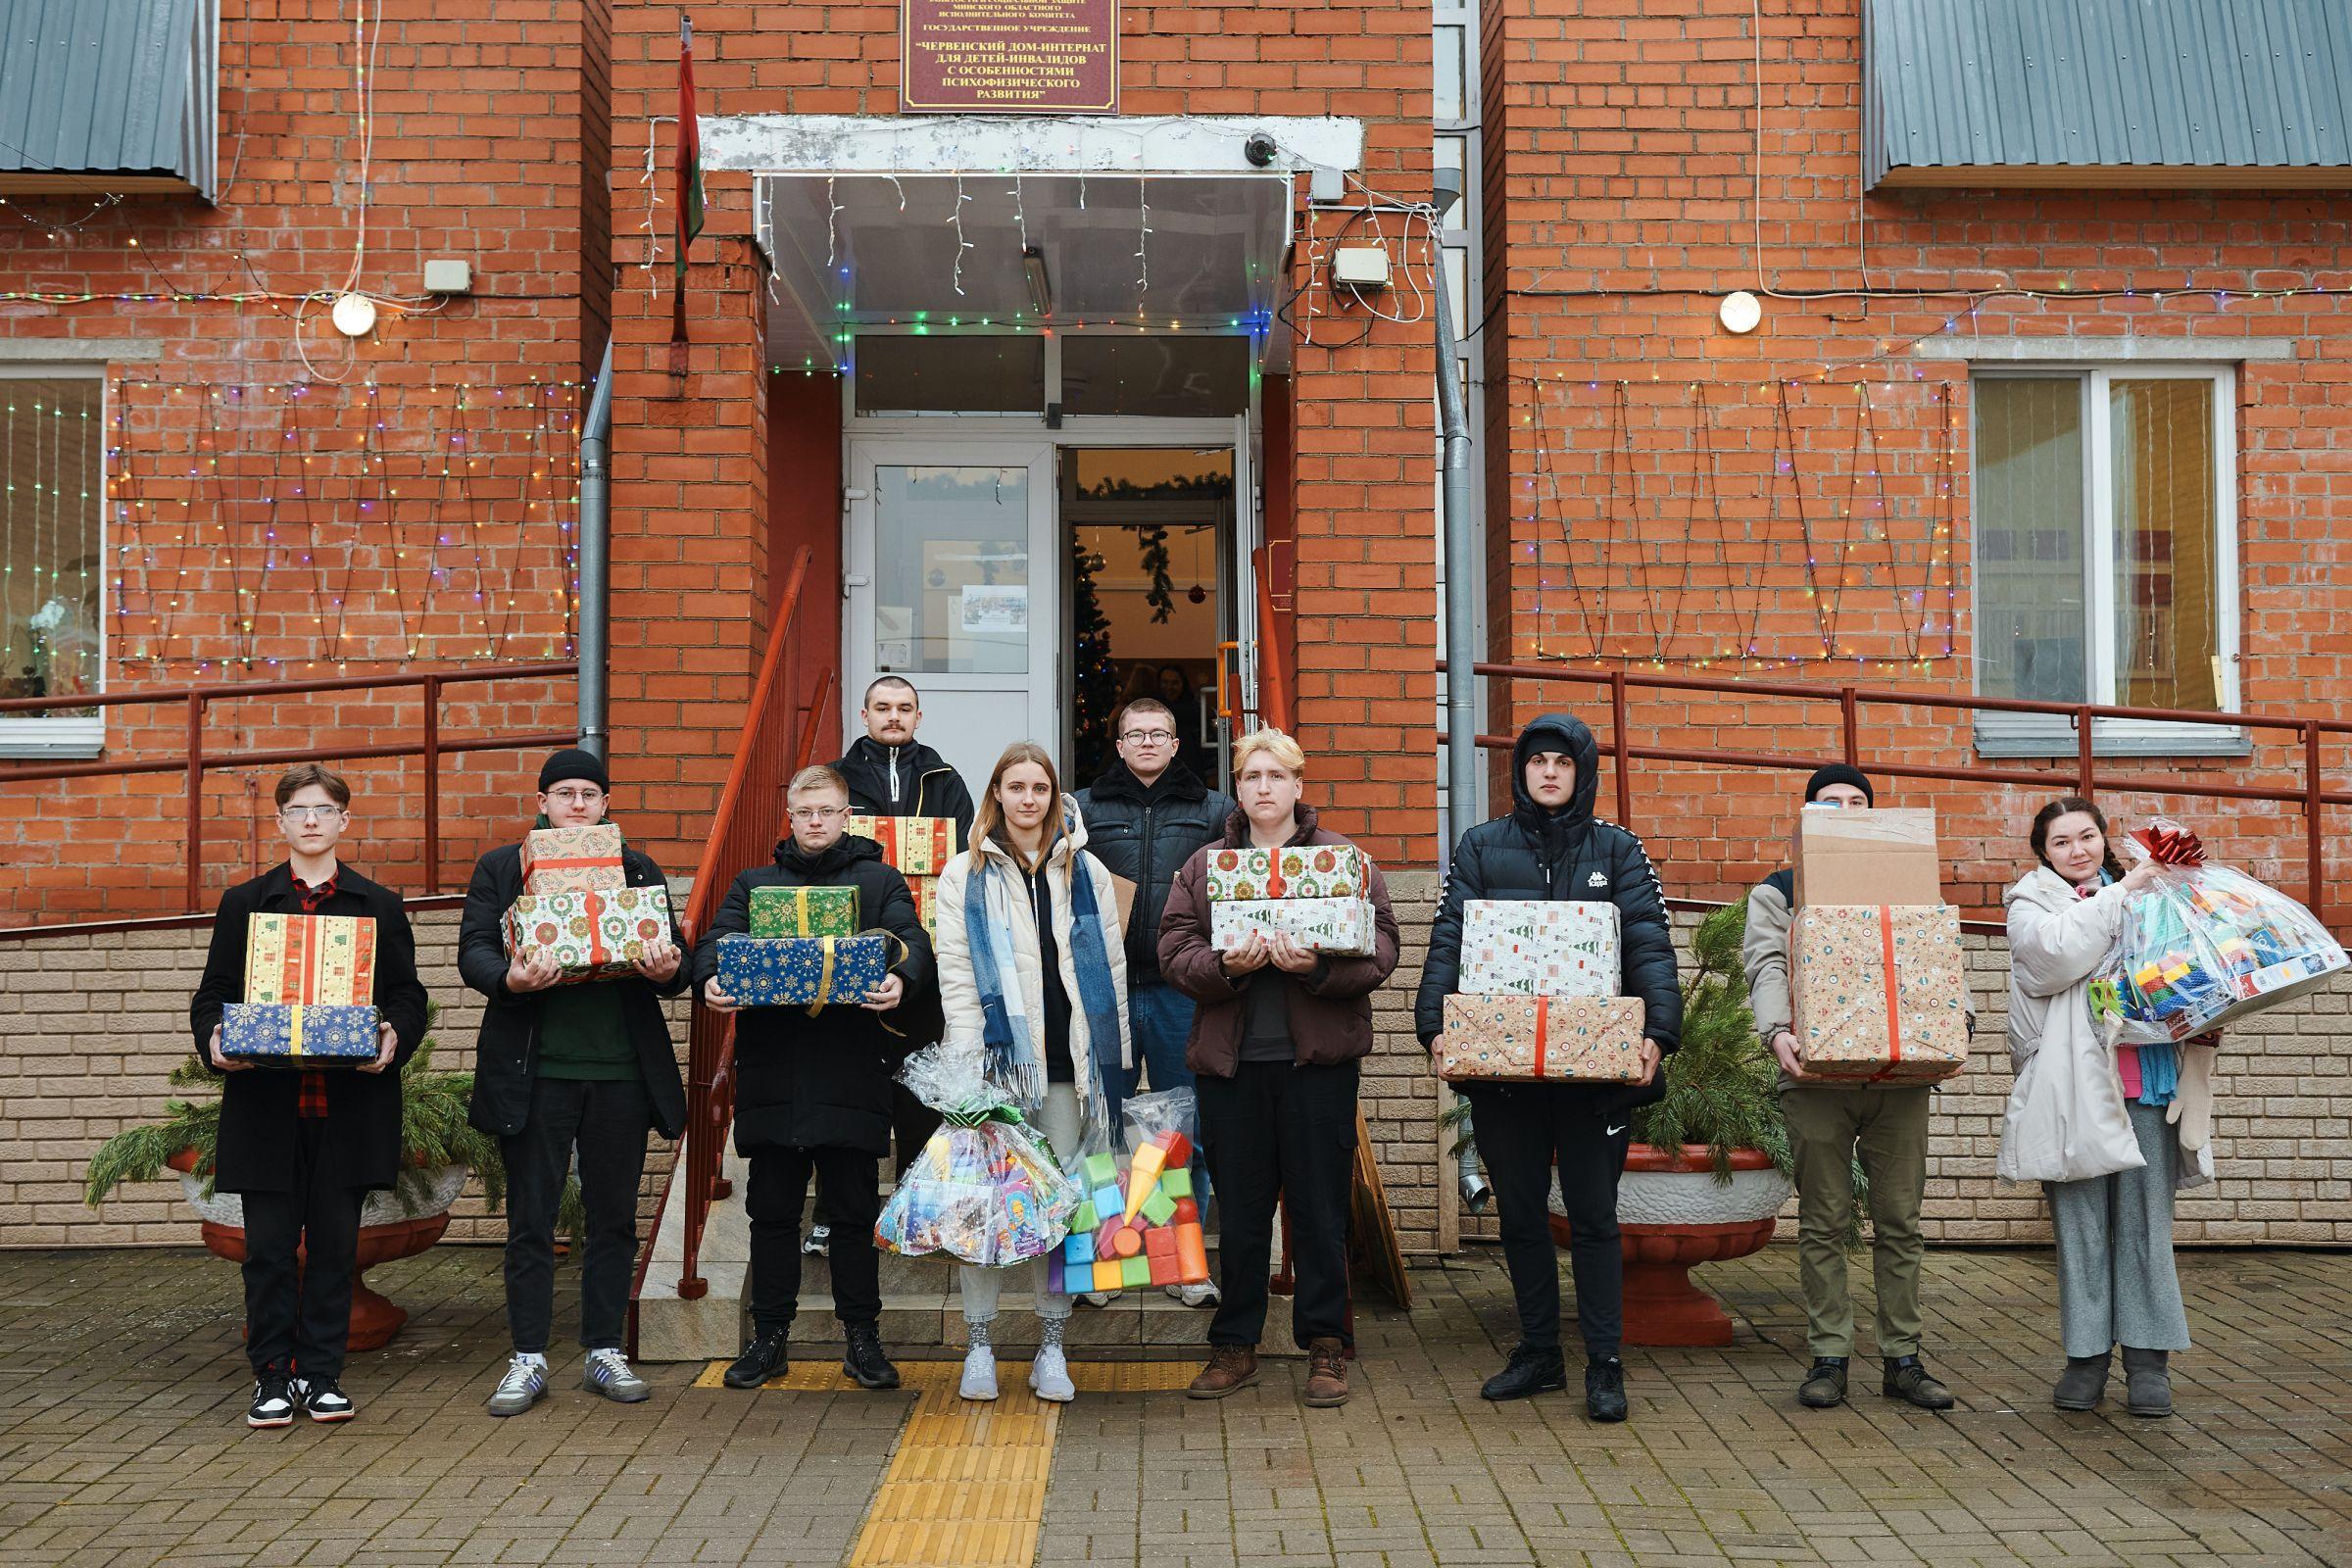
1831 1125
586 1067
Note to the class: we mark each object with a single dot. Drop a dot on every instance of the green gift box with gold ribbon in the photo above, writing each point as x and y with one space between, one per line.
803 912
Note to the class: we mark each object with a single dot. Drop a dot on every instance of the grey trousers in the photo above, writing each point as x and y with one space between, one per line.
1059 1121
2115 1279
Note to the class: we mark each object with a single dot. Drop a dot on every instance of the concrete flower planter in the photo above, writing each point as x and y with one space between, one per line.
1671 1219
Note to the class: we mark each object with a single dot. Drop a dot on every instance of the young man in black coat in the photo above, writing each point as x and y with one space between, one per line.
1552 847
587 1067
304 1148
813 1092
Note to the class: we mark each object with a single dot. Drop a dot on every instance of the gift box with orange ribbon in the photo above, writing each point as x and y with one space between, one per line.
326 959
1291 871
573 859
591 935
1593 1040
802 971
1878 992
914 846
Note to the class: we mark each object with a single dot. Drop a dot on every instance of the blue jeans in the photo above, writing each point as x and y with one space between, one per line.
1160 1018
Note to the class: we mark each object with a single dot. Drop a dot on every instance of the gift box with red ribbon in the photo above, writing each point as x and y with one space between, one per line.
1542 1039
1878 992
573 859
591 935
914 846
317 959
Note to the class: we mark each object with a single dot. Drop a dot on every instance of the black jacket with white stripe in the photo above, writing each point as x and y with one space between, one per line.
1564 854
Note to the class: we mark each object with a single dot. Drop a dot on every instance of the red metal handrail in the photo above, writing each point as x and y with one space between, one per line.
195 760
2313 795
1273 664
779 737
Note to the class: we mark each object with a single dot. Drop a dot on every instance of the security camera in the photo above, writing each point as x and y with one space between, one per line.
1260 149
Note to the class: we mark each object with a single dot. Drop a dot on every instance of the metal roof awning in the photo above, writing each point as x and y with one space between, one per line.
1203 252
106 96
2127 93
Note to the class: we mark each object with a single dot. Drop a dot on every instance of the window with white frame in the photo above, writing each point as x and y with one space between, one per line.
2106 552
52 554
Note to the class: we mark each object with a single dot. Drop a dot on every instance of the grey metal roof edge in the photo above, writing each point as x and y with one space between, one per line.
122 88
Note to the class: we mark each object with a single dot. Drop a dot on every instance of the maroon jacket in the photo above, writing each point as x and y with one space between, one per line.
1331 1005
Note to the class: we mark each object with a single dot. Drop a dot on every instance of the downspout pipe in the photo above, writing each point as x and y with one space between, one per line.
596 560
1461 546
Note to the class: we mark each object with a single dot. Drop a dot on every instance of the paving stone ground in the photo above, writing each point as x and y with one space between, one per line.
122 1392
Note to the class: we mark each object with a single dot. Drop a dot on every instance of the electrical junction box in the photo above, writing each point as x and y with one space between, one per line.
446 277
1360 266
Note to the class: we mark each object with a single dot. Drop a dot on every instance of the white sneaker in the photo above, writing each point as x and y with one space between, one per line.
1049 1376
1093 1299
979 1373
608 1372
1204 1294
524 1384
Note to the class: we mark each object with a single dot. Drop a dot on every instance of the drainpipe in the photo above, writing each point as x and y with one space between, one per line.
596 558
1461 558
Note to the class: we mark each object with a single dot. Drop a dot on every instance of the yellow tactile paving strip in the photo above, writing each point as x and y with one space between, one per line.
967 1482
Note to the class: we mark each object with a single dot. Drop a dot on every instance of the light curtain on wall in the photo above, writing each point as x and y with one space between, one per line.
2166 614
52 569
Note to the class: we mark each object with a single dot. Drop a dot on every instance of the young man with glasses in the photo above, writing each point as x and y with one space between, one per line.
585 1067
303 1148
813 1092
1144 816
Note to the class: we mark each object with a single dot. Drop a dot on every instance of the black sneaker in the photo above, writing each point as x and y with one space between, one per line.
1531 1370
1604 1390
274 1401
1824 1387
865 1360
761 1359
323 1400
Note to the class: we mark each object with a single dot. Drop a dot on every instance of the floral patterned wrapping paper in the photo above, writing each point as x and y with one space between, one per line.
592 936
573 859
1552 1038
1539 947
274 1034
1341 927
804 911
802 971
317 958
916 846
1292 871
1860 1019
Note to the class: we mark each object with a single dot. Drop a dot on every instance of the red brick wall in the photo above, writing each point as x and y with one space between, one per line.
1620 136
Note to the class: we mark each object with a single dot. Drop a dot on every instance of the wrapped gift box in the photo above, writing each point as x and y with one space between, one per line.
1539 947
917 846
926 899
1293 871
1556 1038
803 912
1878 992
802 971
1341 927
1851 854
573 859
276 1034
325 958
592 936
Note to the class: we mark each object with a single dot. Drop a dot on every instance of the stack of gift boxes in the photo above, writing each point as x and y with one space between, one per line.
1318 895
310 982
578 906
804 949
919 848
1137 1227
1874 973
1538 996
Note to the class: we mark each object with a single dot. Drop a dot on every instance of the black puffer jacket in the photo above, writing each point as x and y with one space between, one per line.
910 780
1568 853
1144 833
823 1081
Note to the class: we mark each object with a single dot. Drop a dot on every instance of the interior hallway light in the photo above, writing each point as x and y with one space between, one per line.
1740 312
1041 287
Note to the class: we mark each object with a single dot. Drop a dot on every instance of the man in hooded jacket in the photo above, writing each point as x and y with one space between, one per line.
1552 847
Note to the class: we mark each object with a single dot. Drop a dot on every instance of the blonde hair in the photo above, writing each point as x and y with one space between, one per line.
1275 744
819 777
991 814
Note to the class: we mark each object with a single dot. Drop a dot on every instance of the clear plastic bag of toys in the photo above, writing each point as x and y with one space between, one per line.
2203 946
986 1188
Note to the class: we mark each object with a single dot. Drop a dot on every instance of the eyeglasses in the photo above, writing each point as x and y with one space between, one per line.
1150 736
290 815
577 797
816 814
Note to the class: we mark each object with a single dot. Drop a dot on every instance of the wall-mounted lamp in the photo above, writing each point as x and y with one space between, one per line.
1740 312
1041 287
354 316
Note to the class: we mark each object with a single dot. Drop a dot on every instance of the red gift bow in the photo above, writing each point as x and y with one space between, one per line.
2171 845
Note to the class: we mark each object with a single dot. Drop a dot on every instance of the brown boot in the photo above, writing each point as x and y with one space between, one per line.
1231 1368
1326 1374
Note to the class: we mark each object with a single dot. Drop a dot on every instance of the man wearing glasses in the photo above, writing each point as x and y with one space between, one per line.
1144 816
587 1067
304 1148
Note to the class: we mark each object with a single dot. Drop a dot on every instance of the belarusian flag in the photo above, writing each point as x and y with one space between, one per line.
690 189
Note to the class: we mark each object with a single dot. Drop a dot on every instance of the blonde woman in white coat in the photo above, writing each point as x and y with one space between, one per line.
2109 1159
1033 977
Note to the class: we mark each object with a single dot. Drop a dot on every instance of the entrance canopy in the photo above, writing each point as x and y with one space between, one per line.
1062 251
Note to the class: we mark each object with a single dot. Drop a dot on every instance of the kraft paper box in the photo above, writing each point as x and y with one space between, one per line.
592 936
573 859
1847 855
325 958
1555 1039
278 1035
916 846
1878 992
1341 927
802 971
1539 947
1292 871
803 912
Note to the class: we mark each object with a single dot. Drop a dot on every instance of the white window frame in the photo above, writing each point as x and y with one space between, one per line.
2032 735
55 738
